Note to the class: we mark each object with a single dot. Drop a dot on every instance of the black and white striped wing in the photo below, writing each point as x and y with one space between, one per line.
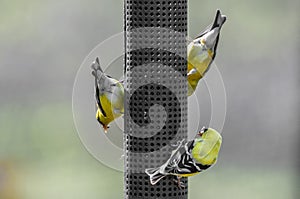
183 162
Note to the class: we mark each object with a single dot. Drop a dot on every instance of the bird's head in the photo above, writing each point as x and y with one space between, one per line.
105 128
209 133
207 146
203 130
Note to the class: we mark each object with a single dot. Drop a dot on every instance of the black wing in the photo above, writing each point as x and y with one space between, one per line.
97 97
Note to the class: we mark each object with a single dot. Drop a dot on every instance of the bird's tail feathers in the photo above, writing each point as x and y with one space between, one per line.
97 70
155 175
97 64
219 20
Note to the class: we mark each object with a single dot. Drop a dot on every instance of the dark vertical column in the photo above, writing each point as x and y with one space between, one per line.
156 98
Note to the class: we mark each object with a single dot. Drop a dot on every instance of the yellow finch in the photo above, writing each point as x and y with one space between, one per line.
202 51
190 158
109 95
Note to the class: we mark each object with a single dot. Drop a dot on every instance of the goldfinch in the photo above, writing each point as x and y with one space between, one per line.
190 158
109 96
202 52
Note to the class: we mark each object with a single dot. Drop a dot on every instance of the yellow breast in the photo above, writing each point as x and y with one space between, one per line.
108 108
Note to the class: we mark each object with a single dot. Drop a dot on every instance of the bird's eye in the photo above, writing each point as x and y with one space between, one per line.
203 130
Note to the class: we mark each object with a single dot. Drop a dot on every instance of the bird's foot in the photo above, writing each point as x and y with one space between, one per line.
179 183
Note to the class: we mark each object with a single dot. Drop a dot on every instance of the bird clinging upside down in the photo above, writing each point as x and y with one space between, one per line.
202 52
109 96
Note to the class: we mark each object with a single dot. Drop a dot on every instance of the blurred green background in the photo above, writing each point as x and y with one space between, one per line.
43 43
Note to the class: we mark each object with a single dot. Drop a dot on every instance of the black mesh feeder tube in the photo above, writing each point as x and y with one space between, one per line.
156 93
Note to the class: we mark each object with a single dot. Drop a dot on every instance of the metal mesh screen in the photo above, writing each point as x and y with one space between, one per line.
156 93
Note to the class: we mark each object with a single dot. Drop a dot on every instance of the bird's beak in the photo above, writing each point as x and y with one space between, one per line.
203 130
105 127
200 133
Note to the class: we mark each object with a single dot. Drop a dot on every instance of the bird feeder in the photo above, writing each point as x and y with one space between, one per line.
156 93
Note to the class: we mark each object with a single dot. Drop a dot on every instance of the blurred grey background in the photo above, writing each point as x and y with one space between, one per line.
43 43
